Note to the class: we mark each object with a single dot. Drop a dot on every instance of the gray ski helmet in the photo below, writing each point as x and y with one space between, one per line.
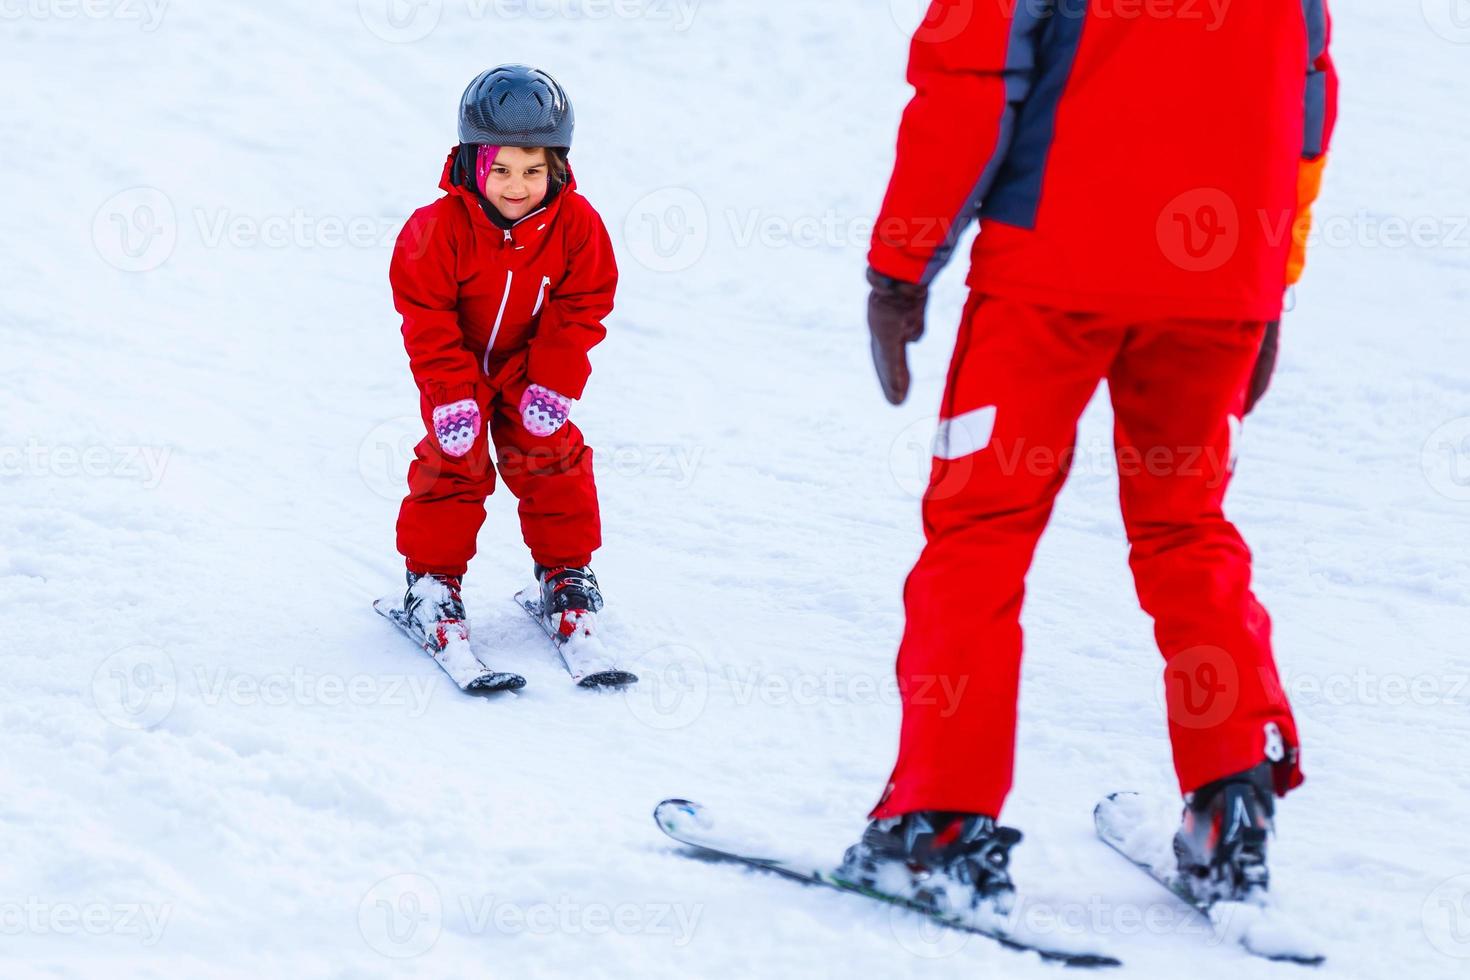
515 105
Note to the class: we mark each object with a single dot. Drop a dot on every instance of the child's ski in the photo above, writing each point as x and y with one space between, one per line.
584 656
692 824
454 655
1124 822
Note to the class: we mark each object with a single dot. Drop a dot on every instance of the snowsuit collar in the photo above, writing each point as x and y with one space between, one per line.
458 180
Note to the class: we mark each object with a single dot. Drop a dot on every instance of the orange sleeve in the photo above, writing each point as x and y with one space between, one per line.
1308 186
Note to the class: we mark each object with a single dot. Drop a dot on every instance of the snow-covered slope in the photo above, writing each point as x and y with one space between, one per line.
218 762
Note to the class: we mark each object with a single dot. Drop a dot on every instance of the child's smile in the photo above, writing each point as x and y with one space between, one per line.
517 182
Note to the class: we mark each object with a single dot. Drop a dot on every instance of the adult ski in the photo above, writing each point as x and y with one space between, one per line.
694 825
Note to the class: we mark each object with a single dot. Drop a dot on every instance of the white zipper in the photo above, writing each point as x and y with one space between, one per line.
510 275
495 330
541 294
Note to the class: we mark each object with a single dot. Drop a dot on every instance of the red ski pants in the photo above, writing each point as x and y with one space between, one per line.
551 477
1020 378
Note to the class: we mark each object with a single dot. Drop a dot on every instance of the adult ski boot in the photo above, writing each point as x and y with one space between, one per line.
951 862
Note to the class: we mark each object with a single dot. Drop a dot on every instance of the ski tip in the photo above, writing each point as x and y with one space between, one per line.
1090 960
491 683
1125 801
673 812
609 678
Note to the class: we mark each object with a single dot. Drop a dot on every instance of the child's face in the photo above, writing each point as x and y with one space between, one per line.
517 183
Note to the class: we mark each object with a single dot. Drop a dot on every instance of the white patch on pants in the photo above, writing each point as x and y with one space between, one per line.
964 434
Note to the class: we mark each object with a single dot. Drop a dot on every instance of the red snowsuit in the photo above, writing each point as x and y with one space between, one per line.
1143 183
488 311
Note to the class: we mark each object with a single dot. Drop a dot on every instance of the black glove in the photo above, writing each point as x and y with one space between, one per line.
1265 365
895 320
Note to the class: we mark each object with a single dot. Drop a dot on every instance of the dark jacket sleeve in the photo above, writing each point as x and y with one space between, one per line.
1321 120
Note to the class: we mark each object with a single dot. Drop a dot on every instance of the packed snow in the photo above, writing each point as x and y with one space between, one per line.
218 762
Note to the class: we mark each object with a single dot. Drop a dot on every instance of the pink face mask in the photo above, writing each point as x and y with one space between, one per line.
484 160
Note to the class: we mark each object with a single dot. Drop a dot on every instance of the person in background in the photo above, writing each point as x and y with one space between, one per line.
1143 187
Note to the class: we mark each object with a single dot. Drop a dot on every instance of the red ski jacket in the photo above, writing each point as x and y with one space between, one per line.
478 299
1151 157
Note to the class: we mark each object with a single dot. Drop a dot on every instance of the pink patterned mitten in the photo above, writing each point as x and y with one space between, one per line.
543 411
457 425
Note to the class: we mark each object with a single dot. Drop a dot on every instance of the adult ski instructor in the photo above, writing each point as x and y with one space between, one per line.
1143 175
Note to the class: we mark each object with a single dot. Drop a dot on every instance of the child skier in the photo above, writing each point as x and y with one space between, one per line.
1126 234
503 284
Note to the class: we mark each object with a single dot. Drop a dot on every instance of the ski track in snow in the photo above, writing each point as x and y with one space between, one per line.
207 728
